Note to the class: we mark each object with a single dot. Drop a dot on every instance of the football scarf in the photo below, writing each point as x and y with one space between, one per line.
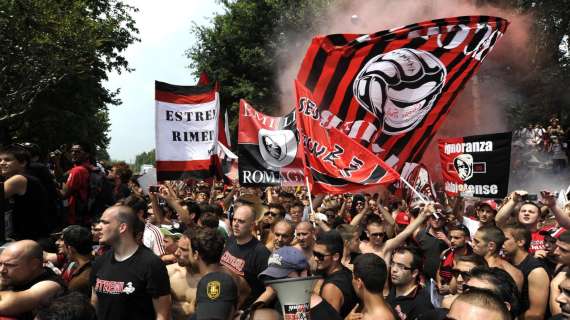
335 163
268 149
476 165
391 90
186 119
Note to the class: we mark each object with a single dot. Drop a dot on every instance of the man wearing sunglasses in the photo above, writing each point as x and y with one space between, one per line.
336 287
376 232
461 272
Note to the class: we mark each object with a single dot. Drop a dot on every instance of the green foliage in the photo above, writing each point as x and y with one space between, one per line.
241 48
143 158
55 55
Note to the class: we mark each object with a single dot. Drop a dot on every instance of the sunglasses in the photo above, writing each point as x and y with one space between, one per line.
378 235
464 274
269 213
320 256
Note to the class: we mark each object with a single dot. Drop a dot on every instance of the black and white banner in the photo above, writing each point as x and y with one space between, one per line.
476 165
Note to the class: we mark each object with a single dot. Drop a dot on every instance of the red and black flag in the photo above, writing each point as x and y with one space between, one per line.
334 163
476 165
268 149
391 90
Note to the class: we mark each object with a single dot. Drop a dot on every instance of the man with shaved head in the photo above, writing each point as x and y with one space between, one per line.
129 281
305 238
283 231
25 283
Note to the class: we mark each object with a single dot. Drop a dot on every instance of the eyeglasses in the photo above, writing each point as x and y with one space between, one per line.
377 235
320 256
399 266
464 274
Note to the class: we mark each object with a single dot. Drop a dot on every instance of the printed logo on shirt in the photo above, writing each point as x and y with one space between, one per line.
213 290
113 287
235 264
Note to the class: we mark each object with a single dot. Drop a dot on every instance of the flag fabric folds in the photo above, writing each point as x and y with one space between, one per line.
418 176
476 165
186 119
335 163
268 149
391 90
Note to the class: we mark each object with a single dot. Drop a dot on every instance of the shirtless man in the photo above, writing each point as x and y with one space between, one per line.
376 232
184 278
487 243
305 238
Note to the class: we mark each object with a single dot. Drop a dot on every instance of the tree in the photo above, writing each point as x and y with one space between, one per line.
143 158
244 45
241 49
55 55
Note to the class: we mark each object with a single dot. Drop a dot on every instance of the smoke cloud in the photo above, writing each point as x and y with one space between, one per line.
480 108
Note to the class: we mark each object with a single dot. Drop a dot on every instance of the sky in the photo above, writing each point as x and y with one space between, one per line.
165 35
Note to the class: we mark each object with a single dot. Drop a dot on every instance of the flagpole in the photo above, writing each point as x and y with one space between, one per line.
424 200
312 213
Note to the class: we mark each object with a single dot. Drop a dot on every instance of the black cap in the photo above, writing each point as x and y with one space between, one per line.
216 296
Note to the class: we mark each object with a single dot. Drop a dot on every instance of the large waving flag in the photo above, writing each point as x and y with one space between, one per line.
335 163
186 120
391 90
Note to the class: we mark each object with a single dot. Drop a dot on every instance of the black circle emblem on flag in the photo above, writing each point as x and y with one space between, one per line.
400 87
277 147
463 164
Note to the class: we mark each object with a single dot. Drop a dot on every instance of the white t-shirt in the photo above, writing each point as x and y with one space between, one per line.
152 239
472 225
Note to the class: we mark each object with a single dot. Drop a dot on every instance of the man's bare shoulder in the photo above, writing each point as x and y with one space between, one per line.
174 269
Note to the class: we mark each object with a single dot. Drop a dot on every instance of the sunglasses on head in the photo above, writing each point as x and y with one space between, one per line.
320 256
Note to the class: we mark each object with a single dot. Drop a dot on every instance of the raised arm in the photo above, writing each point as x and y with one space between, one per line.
506 209
399 239
562 218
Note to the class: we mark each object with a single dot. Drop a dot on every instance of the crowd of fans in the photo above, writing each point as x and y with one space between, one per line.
542 149
85 241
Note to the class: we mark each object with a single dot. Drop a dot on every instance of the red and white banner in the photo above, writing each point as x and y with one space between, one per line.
334 163
186 121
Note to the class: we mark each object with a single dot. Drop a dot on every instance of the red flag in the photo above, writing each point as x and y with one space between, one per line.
334 163
391 90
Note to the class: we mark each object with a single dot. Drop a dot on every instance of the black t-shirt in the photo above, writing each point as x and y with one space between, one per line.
527 266
411 306
31 210
342 279
125 289
247 260
324 310
431 248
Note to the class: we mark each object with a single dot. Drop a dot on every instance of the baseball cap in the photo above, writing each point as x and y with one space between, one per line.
216 294
564 236
167 233
402 218
490 203
284 261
